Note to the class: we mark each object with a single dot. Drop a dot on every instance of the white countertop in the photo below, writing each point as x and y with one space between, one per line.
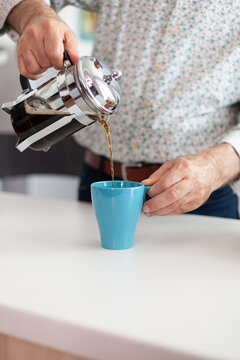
175 295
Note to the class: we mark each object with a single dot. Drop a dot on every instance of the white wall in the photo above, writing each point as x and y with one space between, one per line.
53 186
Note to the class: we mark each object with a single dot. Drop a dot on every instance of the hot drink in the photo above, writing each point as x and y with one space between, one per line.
27 121
103 121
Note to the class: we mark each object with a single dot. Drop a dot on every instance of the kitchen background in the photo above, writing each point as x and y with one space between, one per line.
51 174
62 185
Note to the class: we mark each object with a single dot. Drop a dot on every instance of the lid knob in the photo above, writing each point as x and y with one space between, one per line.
98 84
116 75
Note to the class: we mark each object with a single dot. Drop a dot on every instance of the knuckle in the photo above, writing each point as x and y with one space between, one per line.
56 62
31 31
53 56
185 163
44 62
32 68
164 184
22 43
173 194
28 62
31 34
153 204
49 25
174 207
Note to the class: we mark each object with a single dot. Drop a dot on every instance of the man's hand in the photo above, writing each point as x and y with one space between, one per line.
184 184
41 46
43 38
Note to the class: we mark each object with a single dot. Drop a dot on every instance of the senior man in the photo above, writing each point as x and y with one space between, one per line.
179 117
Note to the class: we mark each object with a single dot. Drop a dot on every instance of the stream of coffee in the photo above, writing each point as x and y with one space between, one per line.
103 121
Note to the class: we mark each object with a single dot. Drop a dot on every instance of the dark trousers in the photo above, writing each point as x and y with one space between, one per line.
222 202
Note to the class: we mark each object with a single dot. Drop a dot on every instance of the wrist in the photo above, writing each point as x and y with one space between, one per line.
28 12
225 163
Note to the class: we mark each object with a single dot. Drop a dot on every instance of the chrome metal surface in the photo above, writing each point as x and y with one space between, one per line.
72 98
91 75
84 91
7 107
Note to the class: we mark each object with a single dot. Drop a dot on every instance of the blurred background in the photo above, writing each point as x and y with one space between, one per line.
55 173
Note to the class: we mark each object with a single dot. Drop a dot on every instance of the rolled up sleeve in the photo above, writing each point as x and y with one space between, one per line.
5 8
233 138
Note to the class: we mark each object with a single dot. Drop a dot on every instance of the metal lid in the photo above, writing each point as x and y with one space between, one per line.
98 84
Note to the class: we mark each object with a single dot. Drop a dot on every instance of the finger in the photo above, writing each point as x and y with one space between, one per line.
33 39
53 45
168 197
71 46
179 209
170 177
157 174
31 63
23 70
41 56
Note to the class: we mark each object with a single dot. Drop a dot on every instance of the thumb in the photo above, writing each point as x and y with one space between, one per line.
148 181
71 46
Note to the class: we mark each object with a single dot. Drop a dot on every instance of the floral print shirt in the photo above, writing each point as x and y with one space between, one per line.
180 61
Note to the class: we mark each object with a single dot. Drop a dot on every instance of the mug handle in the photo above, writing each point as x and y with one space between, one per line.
146 188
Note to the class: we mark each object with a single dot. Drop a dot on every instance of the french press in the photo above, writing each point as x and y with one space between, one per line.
78 96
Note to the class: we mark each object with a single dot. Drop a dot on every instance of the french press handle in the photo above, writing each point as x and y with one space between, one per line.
25 83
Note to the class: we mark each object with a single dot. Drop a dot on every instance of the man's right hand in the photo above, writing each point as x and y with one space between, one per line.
43 38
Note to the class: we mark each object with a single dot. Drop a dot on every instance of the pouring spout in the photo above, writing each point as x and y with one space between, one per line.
7 107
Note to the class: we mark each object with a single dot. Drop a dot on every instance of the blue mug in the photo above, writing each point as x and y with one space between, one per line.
117 209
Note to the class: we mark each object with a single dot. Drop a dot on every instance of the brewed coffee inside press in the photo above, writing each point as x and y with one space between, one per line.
79 95
28 120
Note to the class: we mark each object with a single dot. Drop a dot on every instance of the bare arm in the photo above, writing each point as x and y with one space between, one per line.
43 38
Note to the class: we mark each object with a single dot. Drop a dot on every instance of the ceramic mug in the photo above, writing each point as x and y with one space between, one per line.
117 210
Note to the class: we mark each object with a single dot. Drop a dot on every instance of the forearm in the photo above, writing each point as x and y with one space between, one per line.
28 11
226 163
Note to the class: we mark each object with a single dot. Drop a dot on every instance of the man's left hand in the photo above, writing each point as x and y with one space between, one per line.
183 184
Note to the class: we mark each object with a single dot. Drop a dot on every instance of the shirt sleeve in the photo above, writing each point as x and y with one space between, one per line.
90 5
232 137
5 8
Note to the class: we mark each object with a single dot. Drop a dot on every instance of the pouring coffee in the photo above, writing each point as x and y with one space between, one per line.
78 96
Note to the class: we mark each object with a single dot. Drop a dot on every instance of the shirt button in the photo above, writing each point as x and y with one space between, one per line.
173 31
158 68
136 144
145 104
